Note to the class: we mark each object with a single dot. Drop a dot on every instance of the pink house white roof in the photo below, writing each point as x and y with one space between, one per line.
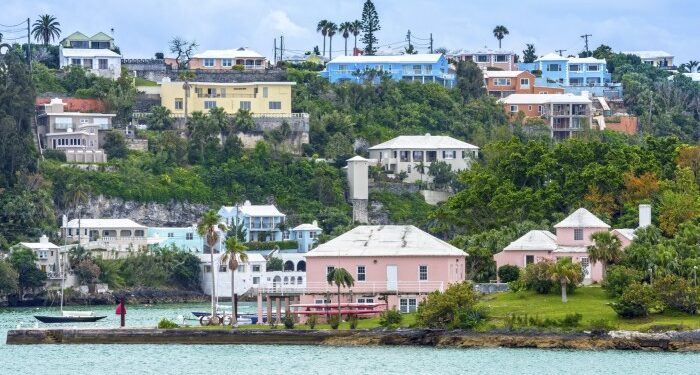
385 240
582 218
534 240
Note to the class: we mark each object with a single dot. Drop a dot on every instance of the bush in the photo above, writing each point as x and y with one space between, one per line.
571 320
442 310
676 293
636 301
160 56
238 67
167 324
311 321
390 318
55 155
522 321
537 277
289 321
601 326
334 321
508 273
270 245
352 320
472 317
618 278
536 72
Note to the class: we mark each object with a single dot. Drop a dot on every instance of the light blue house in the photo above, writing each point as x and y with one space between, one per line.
306 236
422 68
184 238
261 222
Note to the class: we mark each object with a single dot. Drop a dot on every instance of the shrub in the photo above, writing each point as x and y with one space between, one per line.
442 309
601 326
270 245
167 324
352 320
334 321
238 67
472 317
636 301
571 320
618 278
390 318
536 72
311 321
537 277
676 293
160 56
55 155
522 321
288 321
508 273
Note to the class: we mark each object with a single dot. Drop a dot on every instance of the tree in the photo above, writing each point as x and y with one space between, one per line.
322 27
345 28
529 54
78 254
442 174
442 310
692 65
606 249
274 264
76 195
602 52
46 28
370 26
338 146
87 271
470 80
331 30
159 118
28 275
234 253
9 279
243 121
500 32
184 50
208 227
566 273
340 277
115 144
356 30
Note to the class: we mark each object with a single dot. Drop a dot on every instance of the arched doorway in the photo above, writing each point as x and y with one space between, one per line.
301 266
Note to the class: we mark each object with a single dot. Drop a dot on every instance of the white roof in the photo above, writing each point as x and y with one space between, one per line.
89 52
534 240
582 218
253 257
571 249
649 54
502 73
385 240
545 99
228 84
552 57
39 245
423 142
626 232
480 52
228 53
585 60
307 227
103 223
254 210
419 58
78 114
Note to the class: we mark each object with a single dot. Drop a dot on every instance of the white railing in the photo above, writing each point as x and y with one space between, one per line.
360 287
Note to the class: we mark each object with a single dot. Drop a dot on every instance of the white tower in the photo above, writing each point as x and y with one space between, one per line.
358 181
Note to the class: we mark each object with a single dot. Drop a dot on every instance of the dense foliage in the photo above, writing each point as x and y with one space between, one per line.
453 308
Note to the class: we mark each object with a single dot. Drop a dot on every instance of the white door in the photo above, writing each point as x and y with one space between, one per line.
586 266
391 278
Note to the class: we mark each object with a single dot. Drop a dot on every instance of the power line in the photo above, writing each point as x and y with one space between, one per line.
19 24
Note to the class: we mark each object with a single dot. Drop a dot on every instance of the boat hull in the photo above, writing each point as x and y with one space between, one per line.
67 319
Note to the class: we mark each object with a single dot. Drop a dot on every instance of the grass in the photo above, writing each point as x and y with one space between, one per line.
364 323
591 302
144 82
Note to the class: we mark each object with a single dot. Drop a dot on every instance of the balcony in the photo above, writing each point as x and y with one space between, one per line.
219 95
360 287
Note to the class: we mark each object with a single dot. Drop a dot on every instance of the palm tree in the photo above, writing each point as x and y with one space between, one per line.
234 252
340 277
346 29
46 29
356 30
692 64
322 27
606 249
76 195
500 32
207 228
332 29
565 272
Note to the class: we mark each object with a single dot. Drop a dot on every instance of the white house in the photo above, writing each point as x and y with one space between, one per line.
102 62
117 236
406 153
659 59
260 221
48 255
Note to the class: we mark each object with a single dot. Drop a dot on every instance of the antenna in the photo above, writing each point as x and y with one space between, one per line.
560 51
585 37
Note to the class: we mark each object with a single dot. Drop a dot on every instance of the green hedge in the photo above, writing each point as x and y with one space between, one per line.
269 245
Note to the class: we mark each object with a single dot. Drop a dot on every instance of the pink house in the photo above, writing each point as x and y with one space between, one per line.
399 263
573 236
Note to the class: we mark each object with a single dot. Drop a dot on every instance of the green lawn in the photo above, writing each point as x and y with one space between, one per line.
591 302
144 82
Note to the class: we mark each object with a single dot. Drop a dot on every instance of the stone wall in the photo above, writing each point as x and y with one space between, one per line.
155 70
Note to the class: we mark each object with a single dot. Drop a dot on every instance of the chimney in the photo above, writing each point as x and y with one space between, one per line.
43 239
644 215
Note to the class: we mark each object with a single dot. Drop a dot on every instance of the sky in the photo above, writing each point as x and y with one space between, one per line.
142 28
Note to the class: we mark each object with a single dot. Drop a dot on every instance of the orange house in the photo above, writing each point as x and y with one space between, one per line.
501 83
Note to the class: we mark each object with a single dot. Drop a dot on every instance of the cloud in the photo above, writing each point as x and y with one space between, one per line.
279 21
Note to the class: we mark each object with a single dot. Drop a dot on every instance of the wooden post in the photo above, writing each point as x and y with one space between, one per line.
260 308
278 316
269 309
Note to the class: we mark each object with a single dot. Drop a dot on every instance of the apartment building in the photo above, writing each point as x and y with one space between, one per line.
565 114
486 58
423 68
501 83
243 57
95 54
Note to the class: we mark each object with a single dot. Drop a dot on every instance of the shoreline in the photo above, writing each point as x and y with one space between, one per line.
686 341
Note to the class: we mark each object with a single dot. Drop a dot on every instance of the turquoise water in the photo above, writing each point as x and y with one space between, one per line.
292 359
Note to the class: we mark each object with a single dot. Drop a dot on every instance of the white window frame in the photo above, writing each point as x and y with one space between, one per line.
208 63
209 104
179 104
361 276
256 268
501 81
266 92
513 108
245 104
578 234
595 67
534 260
275 105
189 236
421 273
408 305
227 63
578 68
526 82
550 65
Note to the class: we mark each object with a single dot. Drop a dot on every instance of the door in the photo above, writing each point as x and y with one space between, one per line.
586 266
391 278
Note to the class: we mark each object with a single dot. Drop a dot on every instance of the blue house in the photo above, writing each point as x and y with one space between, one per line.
184 238
261 222
306 236
422 68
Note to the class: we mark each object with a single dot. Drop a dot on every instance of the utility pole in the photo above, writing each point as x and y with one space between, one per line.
29 48
585 37
560 51
281 47
275 48
408 38
431 42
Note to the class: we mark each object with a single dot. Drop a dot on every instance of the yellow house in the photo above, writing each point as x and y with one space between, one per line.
263 98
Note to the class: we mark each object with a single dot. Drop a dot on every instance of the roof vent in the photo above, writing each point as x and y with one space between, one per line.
427 134
241 49
247 203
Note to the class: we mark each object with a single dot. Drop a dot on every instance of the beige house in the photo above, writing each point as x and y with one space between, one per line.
47 255
75 133
112 235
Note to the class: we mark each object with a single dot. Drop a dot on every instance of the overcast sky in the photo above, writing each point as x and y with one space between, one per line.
144 27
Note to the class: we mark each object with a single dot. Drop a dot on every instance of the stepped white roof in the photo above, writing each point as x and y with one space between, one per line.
103 223
502 73
227 53
385 240
39 245
545 99
626 232
253 209
426 58
534 240
552 57
423 142
649 54
582 218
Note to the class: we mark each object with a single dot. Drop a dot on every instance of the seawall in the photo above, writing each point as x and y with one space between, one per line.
670 341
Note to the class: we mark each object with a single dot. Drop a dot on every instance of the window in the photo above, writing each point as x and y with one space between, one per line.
431 156
245 105
417 155
256 268
416 69
422 273
43 254
178 104
171 235
256 280
553 68
75 61
449 155
593 68
404 156
241 268
189 236
428 69
501 58
407 305
361 273
539 109
482 58
209 62
265 92
574 68
209 104
226 62
529 108
501 81
329 269
342 68
514 108
207 268
529 259
87 63
365 300
524 81
102 64
578 234
275 105
321 301
222 268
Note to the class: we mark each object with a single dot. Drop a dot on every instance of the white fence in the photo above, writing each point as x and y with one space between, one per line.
419 287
